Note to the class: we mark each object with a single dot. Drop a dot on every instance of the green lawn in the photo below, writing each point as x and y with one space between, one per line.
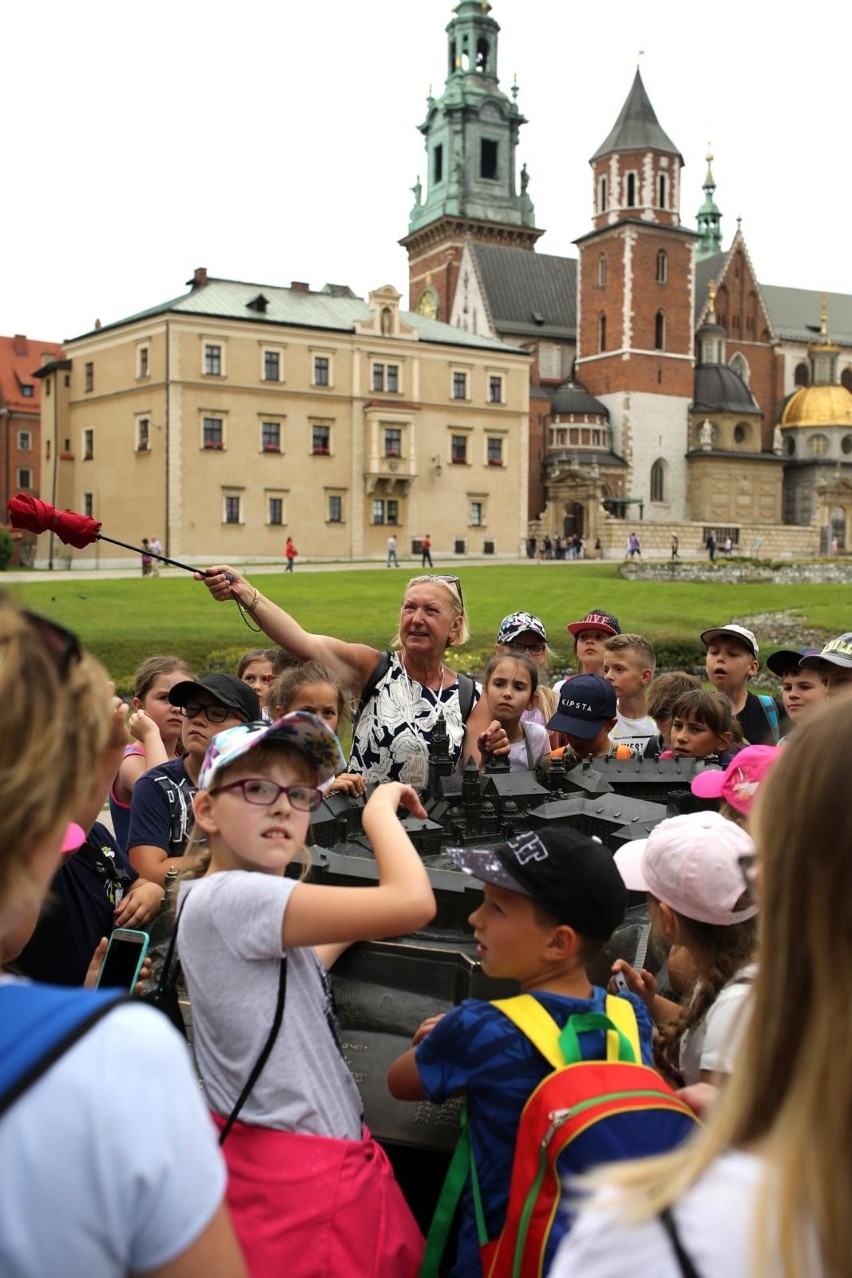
122 621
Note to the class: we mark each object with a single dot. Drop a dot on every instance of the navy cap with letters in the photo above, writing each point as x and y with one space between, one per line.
570 875
586 703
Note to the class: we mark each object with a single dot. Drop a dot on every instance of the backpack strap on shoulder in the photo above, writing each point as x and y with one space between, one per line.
374 678
771 711
623 1018
560 1046
467 689
536 1023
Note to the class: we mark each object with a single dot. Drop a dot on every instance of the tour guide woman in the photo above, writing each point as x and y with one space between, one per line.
394 730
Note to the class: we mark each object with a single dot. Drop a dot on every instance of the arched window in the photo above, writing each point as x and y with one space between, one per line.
602 271
846 378
818 445
740 367
660 332
658 480
661 190
631 190
602 193
482 55
741 433
602 332
662 266
802 376
790 446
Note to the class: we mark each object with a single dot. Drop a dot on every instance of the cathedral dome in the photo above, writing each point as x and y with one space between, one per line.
818 406
573 400
719 389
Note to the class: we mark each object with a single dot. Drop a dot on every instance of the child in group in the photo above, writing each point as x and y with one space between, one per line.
161 814
315 688
662 694
703 726
552 898
510 686
257 668
156 725
590 635
311 1194
690 866
585 717
732 659
802 688
524 633
834 663
736 788
629 663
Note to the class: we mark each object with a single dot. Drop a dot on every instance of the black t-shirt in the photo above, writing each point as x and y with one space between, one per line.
756 727
78 912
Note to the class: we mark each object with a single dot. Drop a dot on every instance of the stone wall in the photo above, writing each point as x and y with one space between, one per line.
764 541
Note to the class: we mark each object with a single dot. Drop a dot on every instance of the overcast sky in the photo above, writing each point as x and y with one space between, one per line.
272 140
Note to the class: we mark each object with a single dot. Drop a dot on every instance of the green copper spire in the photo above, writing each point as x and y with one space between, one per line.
709 219
471 132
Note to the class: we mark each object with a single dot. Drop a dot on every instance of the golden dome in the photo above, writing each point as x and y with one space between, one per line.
818 406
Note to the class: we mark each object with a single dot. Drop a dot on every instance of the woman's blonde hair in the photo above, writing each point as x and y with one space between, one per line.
56 720
789 1098
452 585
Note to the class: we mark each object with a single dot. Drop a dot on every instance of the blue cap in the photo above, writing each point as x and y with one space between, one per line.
586 703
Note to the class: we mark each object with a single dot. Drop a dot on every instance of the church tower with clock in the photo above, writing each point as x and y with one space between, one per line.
471 136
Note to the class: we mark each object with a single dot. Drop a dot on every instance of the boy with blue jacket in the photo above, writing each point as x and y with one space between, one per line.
552 898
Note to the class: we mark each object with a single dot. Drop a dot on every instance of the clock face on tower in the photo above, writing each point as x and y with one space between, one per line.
428 304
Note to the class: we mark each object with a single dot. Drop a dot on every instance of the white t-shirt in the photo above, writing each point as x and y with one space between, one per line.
713 1045
714 1220
634 733
535 744
110 1160
229 941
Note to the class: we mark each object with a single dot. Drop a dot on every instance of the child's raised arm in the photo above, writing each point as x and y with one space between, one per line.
401 901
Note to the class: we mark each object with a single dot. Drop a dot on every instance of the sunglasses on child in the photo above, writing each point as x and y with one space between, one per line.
263 793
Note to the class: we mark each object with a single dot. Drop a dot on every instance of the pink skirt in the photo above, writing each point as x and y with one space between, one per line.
316 1207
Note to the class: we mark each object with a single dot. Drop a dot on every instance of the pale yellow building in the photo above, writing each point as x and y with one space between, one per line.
239 414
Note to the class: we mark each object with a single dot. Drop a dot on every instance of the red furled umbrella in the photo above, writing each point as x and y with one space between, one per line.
37 516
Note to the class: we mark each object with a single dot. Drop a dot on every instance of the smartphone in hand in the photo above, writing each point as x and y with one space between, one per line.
123 960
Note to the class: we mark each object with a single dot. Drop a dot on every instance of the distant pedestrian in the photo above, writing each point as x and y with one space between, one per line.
392 559
675 543
632 548
290 553
598 548
711 544
426 551
156 549
728 546
146 558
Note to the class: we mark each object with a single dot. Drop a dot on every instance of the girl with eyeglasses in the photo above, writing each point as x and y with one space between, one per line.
402 692
310 1192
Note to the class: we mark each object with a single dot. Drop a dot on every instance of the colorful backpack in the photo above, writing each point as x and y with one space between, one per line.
582 1115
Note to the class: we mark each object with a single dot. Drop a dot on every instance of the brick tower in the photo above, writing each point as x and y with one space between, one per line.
635 348
471 134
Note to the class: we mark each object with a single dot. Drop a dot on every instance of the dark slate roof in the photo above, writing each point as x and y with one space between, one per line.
719 389
573 399
710 268
637 127
795 313
528 294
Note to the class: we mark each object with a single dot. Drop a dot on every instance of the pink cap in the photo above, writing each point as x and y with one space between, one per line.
73 838
691 863
739 783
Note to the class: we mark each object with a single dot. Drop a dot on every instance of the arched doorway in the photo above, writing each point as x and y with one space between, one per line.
574 520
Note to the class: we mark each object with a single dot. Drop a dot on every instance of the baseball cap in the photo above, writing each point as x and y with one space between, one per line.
586 703
739 782
732 631
692 864
73 838
568 874
228 690
786 659
301 729
838 652
520 623
595 620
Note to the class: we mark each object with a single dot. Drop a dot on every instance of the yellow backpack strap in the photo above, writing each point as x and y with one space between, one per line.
536 1023
623 1018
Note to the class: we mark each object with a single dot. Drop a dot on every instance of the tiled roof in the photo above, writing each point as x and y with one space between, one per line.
717 388
20 357
637 127
330 310
528 294
795 313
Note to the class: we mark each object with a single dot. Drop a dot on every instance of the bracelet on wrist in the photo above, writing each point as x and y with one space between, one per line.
250 607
